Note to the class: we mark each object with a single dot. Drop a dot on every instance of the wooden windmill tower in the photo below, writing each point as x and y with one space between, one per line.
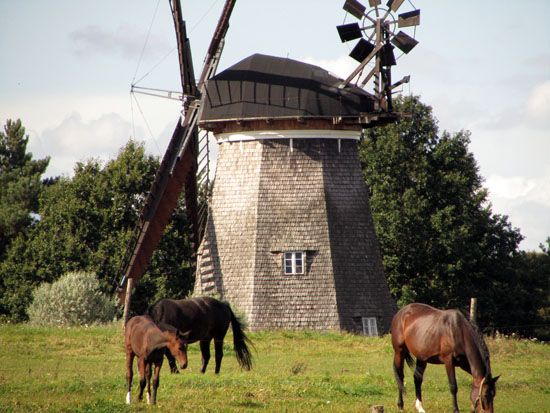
289 238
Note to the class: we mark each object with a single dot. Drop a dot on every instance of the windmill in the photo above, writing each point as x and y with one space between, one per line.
289 238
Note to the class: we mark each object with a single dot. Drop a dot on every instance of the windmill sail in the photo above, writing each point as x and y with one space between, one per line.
179 165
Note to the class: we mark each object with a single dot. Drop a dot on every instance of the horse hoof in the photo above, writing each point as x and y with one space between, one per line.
419 407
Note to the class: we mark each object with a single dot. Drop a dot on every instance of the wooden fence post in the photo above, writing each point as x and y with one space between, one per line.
128 299
473 311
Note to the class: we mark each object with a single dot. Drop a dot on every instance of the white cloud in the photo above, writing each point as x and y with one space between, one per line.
520 188
49 111
126 42
93 138
71 128
526 201
538 104
531 111
340 67
77 140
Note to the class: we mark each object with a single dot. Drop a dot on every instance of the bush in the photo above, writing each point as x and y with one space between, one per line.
74 299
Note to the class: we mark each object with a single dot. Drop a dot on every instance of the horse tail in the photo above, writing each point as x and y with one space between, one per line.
411 362
240 340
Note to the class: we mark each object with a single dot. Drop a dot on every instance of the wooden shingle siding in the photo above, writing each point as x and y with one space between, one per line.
268 199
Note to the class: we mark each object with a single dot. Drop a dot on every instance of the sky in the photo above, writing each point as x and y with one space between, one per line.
67 67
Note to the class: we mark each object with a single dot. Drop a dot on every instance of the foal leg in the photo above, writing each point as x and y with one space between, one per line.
142 379
418 377
129 374
156 380
148 368
218 346
205 352
398 362
449 366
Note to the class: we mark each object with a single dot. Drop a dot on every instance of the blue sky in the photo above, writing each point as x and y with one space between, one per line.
484 66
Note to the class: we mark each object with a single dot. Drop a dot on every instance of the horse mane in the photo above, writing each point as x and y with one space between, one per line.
476 335
482 347
152 310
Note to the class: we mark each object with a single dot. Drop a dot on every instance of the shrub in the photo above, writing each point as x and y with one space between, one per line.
74 299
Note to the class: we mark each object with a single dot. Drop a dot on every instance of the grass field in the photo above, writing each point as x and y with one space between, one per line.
82 370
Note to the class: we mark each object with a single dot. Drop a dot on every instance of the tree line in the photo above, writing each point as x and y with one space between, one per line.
440 240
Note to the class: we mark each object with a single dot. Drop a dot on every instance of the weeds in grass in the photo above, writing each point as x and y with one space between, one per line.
298 368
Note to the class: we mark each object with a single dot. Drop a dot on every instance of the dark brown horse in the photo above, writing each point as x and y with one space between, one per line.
206 319
442 337
144 339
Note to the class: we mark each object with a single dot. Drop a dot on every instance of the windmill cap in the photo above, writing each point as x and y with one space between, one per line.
270 88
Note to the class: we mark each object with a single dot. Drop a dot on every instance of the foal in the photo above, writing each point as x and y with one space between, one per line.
147 341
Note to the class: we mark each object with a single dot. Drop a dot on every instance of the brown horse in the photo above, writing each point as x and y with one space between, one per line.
147 341
442 337
206 319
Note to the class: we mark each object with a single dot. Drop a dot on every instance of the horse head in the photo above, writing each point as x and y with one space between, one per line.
177 345
483 403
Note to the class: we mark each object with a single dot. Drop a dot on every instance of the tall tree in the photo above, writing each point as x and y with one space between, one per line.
20 182
86 223
440 241
20 186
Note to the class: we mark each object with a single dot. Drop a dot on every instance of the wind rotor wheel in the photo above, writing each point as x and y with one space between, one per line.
380 29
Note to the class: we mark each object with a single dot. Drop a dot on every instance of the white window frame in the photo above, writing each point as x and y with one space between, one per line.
293 259
370 326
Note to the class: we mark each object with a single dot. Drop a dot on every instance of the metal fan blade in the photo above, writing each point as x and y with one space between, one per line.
406 79
411 18
361 50
404 42
387 56
394 4
349 32
355 8
374 3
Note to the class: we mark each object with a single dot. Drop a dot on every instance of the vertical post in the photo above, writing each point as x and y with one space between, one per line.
128 299
377 66
473 311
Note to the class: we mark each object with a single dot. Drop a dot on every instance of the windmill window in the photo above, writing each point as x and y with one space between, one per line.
370 328
294 262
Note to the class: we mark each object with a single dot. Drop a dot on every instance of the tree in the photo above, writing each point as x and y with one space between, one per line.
20 186
527 298
440 241
20 183
86 223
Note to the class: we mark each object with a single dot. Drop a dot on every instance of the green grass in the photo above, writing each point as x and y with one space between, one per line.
82 370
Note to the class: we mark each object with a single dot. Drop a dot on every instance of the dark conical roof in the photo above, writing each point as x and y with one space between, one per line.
267 87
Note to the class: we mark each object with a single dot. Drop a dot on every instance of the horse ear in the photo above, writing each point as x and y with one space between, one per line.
496 378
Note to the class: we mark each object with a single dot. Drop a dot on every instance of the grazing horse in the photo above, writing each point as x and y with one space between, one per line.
205 318
442 337
144 339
